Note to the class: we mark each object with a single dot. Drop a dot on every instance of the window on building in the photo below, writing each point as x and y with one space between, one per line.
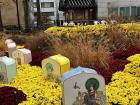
79 14
110 10
127 11
138 11
122 11
50 13
34 5
133 11
35 16
47 14
115 11
47 4
35 13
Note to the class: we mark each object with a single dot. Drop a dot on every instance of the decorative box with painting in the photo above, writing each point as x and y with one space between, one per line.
9 46
22 56
83 86
56 65
7 41
7 69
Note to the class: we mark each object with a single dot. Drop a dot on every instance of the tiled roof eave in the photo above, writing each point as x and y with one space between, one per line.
72 4
75 7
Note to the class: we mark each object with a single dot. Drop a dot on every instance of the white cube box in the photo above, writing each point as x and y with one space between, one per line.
7 69
83 86
7 41
11 47
22 56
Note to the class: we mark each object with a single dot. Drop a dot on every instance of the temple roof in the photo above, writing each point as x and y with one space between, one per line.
71 4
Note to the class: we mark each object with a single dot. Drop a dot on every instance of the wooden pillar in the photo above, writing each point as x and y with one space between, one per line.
70 14
66 15
86 14
91 14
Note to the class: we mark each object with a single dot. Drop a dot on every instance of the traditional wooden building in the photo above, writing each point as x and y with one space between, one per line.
79 9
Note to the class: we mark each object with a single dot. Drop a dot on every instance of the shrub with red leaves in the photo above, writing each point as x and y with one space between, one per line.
117 61
38 56
11 96
124 53
106 73
116 64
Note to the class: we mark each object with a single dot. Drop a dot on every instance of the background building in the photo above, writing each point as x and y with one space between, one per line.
16 13
118 8
107 8
49 9
79 10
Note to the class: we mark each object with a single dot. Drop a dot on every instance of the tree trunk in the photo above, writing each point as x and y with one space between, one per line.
38 14
1 25
26 9
18 18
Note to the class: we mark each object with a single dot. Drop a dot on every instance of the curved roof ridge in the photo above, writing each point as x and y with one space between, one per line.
69 4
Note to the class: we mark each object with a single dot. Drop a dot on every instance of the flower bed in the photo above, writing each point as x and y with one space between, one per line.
32 81
77 30
125 86
130 28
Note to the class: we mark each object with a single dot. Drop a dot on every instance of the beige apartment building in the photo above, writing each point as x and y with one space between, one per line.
16 13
